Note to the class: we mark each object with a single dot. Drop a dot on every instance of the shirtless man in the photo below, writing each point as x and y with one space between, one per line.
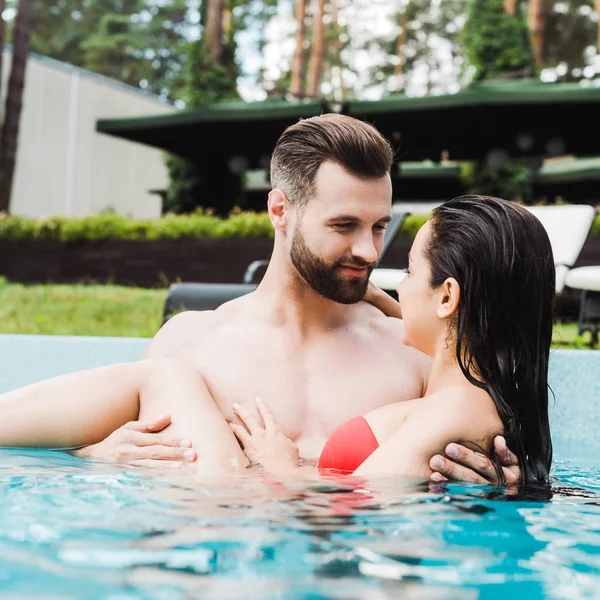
304 341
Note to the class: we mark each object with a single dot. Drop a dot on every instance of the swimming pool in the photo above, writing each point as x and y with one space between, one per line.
73 529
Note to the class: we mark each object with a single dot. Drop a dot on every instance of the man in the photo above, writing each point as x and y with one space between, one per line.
304 341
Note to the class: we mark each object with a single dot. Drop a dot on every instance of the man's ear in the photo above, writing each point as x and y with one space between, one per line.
449 297
278 207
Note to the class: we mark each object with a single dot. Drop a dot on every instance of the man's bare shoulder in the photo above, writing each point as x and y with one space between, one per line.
179 332
391 330
188 328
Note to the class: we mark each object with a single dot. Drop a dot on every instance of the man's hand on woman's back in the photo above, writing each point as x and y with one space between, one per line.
462 464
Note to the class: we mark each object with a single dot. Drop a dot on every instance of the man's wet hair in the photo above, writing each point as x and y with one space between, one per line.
303 147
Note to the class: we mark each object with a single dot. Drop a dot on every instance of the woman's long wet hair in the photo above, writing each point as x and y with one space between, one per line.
501 257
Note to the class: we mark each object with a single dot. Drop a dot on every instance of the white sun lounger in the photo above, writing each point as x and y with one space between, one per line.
568 227
389 279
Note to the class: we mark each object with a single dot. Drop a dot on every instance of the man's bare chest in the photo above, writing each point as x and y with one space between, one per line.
311 389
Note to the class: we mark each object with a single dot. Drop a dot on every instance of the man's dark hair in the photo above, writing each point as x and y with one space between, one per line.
302 148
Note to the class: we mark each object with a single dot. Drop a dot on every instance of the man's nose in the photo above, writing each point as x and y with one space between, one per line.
365 249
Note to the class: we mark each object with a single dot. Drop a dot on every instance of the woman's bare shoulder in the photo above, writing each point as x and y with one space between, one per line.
465 411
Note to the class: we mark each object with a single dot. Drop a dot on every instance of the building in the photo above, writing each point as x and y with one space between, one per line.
64 167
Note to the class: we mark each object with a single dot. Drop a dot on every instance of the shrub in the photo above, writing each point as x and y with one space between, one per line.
198 225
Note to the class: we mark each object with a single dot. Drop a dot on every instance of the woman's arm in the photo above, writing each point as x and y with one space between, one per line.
383 301
71 410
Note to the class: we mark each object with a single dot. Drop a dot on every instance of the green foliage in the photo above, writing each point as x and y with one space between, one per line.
412 224
206 82
139 42
512 182
199 225
426 24
184 187
496 43
110 226
569 32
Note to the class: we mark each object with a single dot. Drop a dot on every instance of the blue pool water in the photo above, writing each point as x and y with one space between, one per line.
74 529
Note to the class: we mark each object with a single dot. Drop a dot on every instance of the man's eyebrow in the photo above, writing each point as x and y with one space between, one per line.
355 219
346 218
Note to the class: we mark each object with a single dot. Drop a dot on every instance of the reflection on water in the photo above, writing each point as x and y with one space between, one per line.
74 529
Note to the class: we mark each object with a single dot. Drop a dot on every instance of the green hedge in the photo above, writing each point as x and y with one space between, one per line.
110 226
199 225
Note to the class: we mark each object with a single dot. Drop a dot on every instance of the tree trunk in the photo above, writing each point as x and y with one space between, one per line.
298 62
535 20
14 101
213 32
315 63
1 38
510 7
597 5
337 49
401 46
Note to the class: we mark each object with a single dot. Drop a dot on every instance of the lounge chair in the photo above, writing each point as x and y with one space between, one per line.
389 279
568 227
208 296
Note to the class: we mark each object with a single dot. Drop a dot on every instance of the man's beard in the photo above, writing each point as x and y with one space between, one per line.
326 279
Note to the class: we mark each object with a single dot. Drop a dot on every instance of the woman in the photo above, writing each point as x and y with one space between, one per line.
478 298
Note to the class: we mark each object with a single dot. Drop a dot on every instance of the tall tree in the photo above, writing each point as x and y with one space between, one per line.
569 32
597 7
59 28
315 63
2 40
210 76
14 101
401 48
213 29
424 43
535 21
299 53
497 44
139 42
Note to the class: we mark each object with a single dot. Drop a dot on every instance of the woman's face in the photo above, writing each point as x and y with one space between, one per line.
418 302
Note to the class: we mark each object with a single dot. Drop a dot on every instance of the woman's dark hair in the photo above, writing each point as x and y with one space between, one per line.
501 257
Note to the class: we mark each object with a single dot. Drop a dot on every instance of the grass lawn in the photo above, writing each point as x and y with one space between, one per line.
105 310
110 310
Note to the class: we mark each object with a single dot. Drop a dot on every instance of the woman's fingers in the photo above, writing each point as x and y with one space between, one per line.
243 436
268 417
249 420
